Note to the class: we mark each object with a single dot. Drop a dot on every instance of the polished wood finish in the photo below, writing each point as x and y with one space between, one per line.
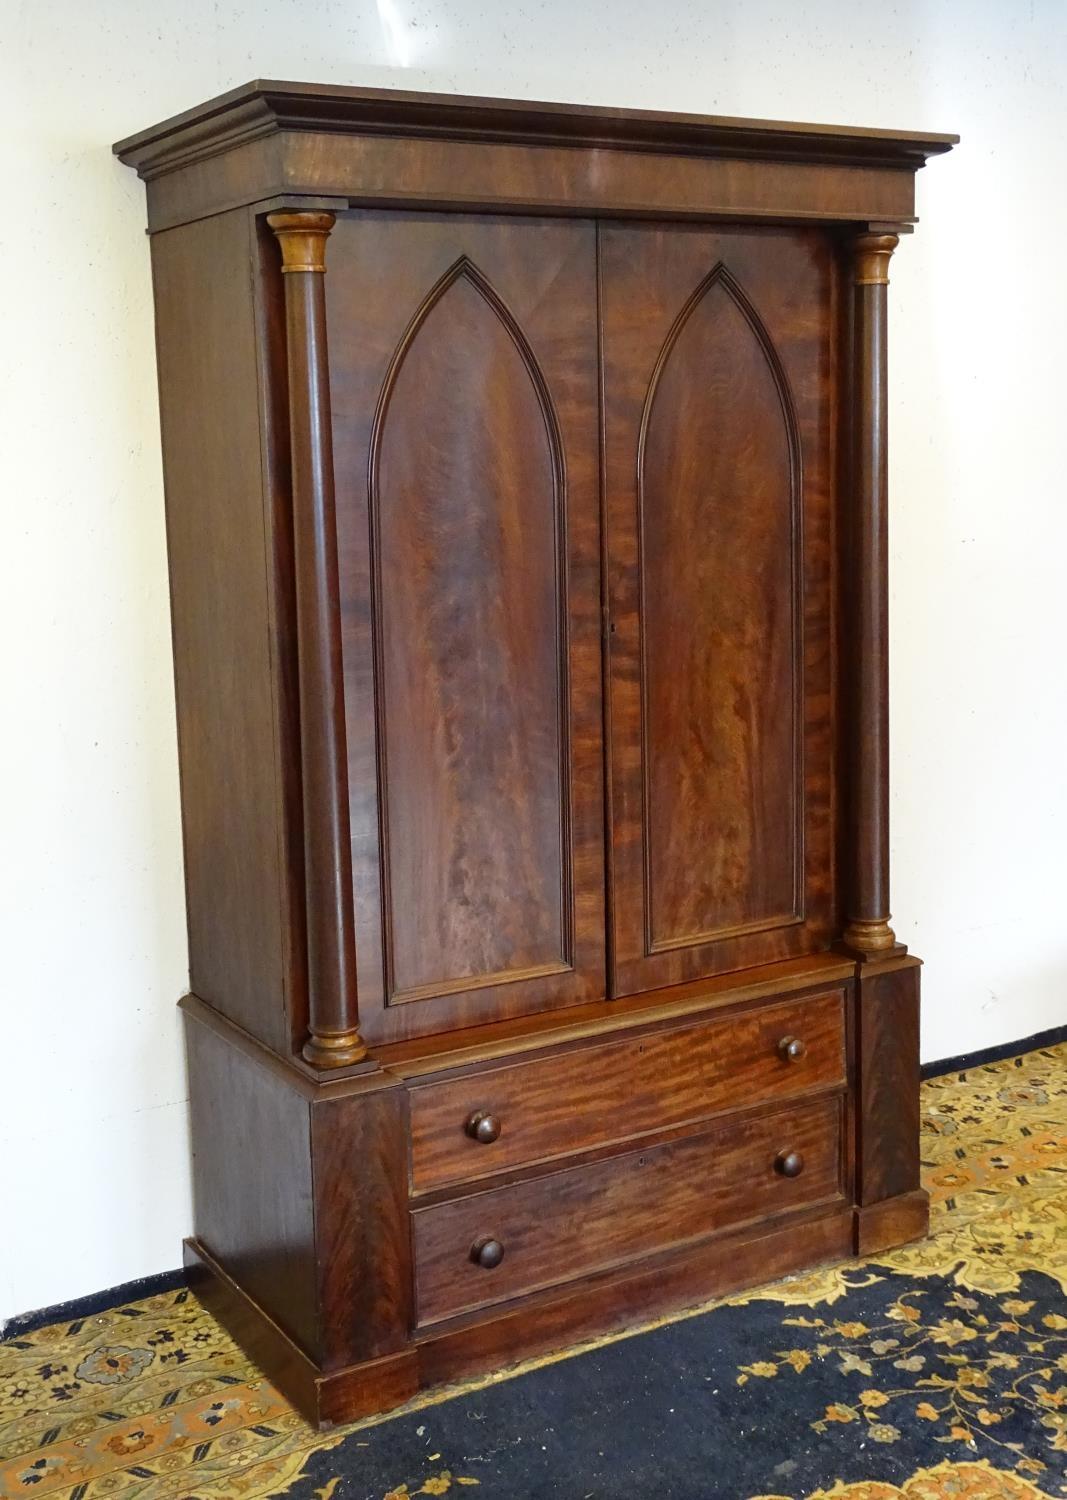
473 692
608 1302
566 1224
503 1040
333 1022
228 565
627 1296
324 1246
887 1051
894 1221
719 376
363 1251
269 106
526 507
868 931
254 1210
345 145
648 1083
324 1398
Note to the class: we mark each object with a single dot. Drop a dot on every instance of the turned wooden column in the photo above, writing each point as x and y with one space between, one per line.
867 930
334 1039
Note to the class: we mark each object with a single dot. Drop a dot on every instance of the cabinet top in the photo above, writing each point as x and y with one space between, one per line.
269 140
267 105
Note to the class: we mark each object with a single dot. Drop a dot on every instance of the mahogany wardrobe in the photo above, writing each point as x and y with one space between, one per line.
526 511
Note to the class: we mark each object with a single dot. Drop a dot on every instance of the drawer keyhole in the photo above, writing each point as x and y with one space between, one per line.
483 1127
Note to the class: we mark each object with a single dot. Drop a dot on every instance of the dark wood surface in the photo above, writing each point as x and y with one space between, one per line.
427 1057
324 1398
888 1065
626 1296
867 600
502 1039
303 1199
247 1321
253 1188
400 148
894 1221
337 171
592 1096
224 570
719 391
327 866
464 393
280 544
272 104
563 1225
363 1250
603 1303
608 490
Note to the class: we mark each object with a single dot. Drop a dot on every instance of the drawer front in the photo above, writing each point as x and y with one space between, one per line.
602 1093
506 1241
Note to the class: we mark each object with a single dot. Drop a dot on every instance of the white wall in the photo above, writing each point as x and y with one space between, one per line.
93 1170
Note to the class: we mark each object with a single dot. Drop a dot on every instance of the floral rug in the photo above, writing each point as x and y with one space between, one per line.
935 1371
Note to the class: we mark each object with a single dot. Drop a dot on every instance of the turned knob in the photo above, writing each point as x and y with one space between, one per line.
483 1127
789 1163
791 1049
487 1253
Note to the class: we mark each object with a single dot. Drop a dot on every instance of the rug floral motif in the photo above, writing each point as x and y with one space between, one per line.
975 1481
939 1369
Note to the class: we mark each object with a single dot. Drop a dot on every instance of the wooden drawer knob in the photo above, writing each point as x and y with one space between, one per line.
487 1253
483 1127
791 1049
789 1163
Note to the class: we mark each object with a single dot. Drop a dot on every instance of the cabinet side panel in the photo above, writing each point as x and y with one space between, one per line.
252 1186
889 1122
218 557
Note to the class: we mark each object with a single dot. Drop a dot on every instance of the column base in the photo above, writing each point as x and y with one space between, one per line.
339 1051
870 940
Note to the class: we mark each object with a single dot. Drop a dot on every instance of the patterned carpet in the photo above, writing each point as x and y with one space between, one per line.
938 1370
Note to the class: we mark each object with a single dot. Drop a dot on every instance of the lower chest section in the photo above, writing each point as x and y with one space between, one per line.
535 1173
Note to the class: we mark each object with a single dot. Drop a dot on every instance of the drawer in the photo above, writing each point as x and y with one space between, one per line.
570 1222
602 1093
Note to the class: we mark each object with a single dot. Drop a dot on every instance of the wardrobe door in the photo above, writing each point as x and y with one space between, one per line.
719 359
463 364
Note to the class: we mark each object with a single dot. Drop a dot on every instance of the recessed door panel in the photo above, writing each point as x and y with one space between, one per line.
463 371
465 494
718 367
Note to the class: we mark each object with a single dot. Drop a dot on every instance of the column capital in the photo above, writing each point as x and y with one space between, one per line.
870 258
302 239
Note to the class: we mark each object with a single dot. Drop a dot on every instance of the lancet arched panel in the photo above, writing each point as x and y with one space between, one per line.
719 508
466 490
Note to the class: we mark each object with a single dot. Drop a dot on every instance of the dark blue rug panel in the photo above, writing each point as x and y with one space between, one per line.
758 1399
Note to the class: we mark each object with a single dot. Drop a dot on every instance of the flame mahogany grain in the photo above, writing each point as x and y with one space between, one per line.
568 1223
626 1088
528 537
